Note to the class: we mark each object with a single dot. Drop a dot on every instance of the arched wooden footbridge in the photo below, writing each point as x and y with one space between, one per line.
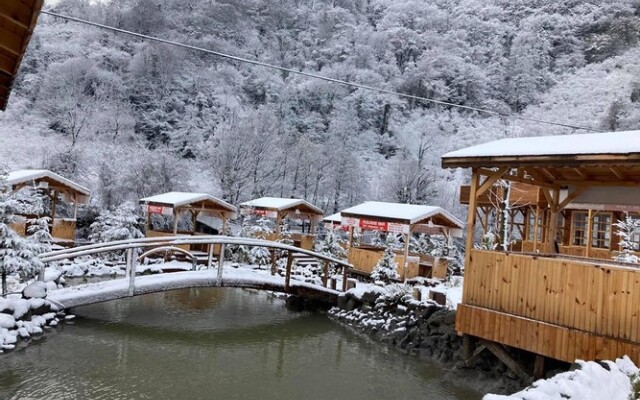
223 277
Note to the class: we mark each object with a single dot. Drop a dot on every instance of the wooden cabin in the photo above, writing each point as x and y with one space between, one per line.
564 301
173 207
399 219
64 195
281 209
17 22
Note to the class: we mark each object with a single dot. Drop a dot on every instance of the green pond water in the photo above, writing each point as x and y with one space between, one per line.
214 344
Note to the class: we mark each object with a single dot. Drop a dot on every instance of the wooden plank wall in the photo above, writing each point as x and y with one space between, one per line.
64 229
537 337
364 260
600 300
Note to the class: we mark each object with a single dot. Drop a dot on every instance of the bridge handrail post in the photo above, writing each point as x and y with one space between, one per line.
220 264
210 256
325 273
345 271
287 278
131 266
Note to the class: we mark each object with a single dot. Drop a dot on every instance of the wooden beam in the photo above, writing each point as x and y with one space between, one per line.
571 197
515 178
503 356
491 179
471 220
617 173
548 174
590 216
579 173
552 227
538 367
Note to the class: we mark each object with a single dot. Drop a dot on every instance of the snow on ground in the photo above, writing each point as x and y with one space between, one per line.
591 382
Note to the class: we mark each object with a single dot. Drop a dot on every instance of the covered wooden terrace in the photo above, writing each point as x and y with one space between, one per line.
404 219
554 305
18 19
59 190
280 209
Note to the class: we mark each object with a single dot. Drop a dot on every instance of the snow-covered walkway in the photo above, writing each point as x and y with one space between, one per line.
239 278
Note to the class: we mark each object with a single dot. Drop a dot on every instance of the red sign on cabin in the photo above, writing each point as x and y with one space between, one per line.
373 225
154 209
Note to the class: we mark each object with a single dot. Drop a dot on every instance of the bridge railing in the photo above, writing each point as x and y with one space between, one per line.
130 245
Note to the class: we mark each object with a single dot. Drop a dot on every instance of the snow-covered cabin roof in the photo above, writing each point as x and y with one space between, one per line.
408 213
18 22
280 204
567 150
333 218
185 199
34 177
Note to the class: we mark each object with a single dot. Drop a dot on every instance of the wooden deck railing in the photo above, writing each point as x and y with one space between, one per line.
597 303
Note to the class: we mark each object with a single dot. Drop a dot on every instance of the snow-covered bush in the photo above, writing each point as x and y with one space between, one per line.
332 245
626 230
488 242
386 268
259 256
397 293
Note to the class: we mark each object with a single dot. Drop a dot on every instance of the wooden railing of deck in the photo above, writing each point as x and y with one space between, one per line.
564 309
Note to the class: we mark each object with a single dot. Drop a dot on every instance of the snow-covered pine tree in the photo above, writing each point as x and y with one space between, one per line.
119 224
386 268
17 254
626 230
331 245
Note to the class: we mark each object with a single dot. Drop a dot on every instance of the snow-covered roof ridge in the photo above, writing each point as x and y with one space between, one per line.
619 143
409 212
178 199
279 203
29 175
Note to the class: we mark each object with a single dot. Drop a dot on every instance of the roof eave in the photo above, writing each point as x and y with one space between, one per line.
565 160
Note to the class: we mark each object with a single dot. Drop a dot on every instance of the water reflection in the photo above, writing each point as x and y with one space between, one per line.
231 344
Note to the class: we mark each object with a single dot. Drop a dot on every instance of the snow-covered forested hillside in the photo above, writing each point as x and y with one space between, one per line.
130 118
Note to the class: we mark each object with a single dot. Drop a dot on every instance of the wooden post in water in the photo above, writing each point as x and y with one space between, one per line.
287 278
220 264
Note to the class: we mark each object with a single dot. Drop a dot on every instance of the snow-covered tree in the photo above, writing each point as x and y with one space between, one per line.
119 224
332 245
19 255
628 230
386 268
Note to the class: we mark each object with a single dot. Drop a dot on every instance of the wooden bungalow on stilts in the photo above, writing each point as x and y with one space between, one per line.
64 197
405 220
178 213
556 292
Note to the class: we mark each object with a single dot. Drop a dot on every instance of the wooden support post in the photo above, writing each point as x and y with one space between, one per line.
552 232
274 262
220 265
536 225
325 273
75 206
471 223
287 278
345 272
538 367
405 265
194 221
224 225
503 356
467 348
175 221
351 236
590 216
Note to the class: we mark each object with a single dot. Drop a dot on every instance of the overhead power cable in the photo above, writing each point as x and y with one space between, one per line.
311 75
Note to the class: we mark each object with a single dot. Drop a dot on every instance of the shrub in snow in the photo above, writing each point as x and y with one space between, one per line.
627 229
397 293
119 224
331 246
19 255
386 268
259 256
488 242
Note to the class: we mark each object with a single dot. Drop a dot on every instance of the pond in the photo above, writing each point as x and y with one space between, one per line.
214 344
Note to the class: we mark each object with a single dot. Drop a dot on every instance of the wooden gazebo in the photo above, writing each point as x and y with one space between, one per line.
279 209
174 204
58 189
17 21
404 219
554 302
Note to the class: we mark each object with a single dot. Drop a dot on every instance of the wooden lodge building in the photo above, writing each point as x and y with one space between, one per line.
403 219
556 292
281 209
190 207
62 226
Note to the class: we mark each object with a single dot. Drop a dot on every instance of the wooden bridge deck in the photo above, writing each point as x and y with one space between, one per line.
119 288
